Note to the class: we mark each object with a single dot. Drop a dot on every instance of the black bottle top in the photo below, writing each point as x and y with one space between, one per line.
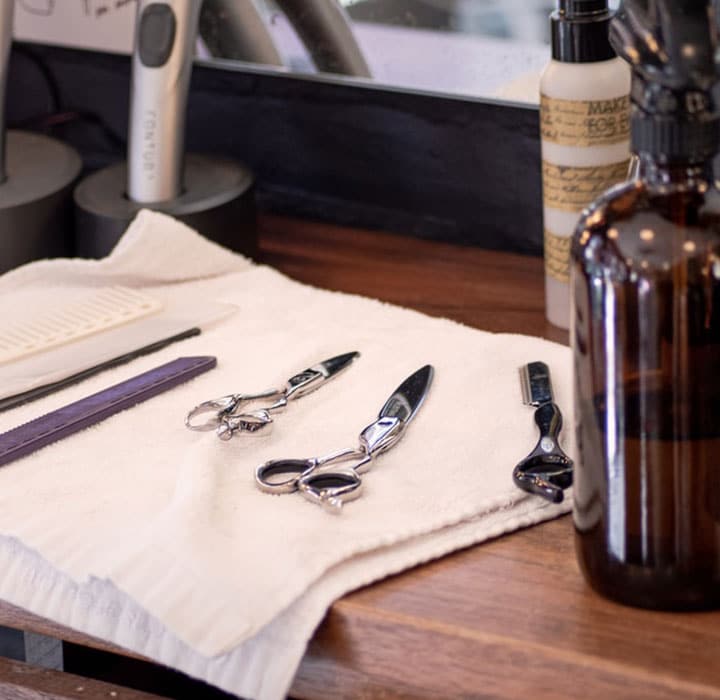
579 31
671 47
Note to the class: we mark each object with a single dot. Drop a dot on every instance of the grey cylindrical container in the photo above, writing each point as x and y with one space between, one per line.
217 200
36 178
36 213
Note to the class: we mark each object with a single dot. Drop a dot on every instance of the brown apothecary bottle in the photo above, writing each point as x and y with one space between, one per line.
646 333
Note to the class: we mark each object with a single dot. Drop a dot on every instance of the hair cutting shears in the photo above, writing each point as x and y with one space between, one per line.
229 414
335 478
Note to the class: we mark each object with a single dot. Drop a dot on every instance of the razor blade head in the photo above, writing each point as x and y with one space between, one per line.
536 384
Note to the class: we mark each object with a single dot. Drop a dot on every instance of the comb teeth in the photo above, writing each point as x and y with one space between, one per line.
99 310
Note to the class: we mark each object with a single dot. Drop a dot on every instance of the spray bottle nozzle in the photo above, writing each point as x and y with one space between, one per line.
670 43
671 46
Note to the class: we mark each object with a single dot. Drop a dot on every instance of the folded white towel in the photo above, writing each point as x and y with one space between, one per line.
154 537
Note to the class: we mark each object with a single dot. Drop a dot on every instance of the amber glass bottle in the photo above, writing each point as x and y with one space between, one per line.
646 338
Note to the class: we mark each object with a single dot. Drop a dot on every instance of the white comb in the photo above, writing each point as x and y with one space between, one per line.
99 310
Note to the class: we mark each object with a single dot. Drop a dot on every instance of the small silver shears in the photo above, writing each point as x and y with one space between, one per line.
229 414
317 478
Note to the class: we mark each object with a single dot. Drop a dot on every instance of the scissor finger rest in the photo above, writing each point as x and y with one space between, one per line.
253 423
331 489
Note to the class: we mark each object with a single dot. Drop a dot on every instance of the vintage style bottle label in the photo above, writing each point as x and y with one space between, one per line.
585 123
557 256
571 189
585 151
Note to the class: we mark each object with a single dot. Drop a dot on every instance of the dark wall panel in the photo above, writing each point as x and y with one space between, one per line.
454 169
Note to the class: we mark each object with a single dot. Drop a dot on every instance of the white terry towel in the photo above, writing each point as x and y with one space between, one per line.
154 537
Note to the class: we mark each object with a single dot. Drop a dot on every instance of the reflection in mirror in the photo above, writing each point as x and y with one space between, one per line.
477 48
328 35
236 29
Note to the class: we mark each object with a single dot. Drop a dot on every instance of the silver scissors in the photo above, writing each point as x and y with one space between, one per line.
229 414
317 478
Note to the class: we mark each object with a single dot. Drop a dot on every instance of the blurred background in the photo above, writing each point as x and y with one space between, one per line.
491 49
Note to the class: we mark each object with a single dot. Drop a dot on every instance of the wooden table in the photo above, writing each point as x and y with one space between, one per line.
510 618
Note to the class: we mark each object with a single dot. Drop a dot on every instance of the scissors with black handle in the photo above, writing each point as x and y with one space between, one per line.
334 479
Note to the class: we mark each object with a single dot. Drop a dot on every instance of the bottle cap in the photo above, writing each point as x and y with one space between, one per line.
671 47
579 31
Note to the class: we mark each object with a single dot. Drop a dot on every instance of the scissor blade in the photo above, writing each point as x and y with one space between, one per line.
331 367
314 377
409 396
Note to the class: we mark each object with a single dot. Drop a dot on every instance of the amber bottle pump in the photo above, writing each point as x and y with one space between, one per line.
646 329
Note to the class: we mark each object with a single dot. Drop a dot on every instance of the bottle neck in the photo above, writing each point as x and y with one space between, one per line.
676 176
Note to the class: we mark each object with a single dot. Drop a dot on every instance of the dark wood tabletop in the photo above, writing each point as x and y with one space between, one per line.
510 618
